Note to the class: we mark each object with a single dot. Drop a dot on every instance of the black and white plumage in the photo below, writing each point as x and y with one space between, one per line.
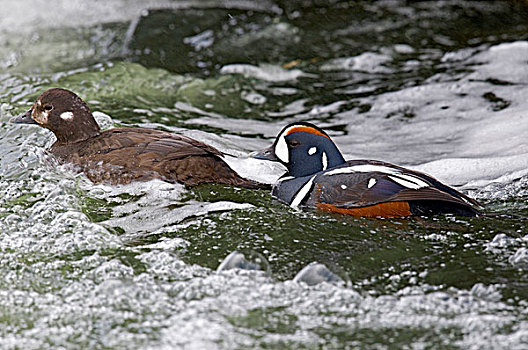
319 177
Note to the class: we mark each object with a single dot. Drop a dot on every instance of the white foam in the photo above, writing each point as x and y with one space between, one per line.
477 172
140 219
20 16
259 170
266 72
29 14
455 132
370 62
103 120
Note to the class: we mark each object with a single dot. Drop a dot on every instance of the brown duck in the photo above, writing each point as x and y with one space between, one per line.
122 155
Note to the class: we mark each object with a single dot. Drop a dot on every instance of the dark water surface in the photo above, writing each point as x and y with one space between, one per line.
437 86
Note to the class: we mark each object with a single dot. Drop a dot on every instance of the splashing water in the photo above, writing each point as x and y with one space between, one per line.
437 86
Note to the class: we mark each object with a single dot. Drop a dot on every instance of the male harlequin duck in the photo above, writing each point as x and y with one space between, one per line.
123 155
318 176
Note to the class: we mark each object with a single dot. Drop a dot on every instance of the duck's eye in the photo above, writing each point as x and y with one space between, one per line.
48 107
294 143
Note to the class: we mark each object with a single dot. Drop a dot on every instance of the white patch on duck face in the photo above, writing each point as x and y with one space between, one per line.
302 193
312 151
324 159
40 117
344 187
371 183
66 115
408 181
281 149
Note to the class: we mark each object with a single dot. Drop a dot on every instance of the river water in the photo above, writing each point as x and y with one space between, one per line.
436 86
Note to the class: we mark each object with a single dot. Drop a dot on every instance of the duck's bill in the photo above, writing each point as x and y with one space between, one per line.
265 154
23 119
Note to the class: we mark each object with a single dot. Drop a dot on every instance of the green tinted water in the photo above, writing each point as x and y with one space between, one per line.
94 266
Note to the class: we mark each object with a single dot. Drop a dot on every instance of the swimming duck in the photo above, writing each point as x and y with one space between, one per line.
123 155
319 177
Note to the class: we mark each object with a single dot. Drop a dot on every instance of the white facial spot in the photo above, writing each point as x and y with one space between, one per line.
281 149
41 118
344 187
325 161
371 183
312 151
67 115
39 103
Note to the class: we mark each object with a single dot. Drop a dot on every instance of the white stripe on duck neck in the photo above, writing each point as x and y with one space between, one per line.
302 193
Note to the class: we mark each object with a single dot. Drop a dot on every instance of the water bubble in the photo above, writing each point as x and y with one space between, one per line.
520 258
253 97
315 273
245 260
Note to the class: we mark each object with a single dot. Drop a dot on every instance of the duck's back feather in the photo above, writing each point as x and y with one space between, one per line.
122 155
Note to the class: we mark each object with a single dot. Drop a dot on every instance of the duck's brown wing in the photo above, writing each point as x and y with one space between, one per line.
123 155
157 143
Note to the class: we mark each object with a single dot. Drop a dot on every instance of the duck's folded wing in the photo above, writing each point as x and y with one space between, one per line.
360 190
147 145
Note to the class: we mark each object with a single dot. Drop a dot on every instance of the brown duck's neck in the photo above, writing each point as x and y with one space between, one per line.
74 137
69 134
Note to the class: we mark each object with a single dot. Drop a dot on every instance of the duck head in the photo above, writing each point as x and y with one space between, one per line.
62 112
304 149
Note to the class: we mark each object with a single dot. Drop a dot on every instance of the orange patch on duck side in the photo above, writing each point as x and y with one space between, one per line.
384 210
306 129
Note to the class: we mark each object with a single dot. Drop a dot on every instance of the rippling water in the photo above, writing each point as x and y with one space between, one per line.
436 86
